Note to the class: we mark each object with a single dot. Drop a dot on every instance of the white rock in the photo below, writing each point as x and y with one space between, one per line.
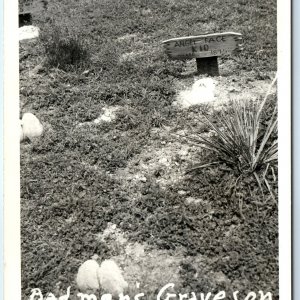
87 276
164 161
192 200
181 192
95 257
28 32
202 91
31 126
143 179
111 278
108 115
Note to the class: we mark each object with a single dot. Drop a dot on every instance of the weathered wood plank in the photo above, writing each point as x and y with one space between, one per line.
206 45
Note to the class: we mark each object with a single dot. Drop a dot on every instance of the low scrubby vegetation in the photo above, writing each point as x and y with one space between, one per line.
134 171
63 50
242 142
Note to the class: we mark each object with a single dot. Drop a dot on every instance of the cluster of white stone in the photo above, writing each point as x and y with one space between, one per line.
108 276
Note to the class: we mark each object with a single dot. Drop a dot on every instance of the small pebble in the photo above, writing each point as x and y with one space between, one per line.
143 179
192 200
181 192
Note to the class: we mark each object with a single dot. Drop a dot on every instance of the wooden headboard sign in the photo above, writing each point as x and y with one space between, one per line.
205 48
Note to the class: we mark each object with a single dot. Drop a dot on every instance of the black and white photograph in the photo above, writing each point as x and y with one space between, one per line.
149 150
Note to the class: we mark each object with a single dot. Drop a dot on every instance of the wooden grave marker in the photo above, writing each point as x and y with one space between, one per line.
29 7
205 48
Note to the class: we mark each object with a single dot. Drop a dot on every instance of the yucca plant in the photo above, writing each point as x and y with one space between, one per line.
242 141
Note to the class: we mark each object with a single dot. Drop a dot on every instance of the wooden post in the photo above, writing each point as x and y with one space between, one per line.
208 65
25 19
27 8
